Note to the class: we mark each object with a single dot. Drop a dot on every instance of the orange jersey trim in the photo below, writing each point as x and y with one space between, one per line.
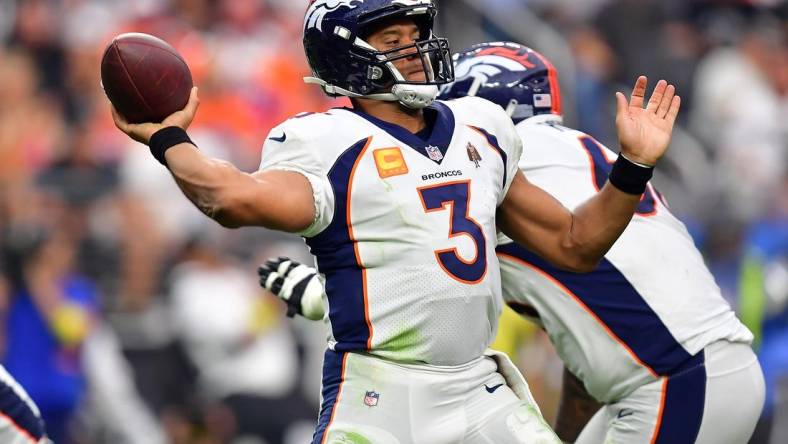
355 243
663 396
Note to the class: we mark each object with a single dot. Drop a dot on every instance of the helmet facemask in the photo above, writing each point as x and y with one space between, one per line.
435 57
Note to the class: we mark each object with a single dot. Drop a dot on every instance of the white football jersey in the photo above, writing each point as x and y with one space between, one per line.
405 232
650 305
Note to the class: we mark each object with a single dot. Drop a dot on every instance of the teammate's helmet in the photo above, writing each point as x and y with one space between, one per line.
519 79
344 64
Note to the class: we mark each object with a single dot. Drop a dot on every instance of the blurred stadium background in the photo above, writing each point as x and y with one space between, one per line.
131 318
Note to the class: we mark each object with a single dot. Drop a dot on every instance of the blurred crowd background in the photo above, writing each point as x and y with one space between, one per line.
131 318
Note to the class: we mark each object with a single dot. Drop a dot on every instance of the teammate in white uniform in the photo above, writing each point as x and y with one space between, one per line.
20 420
648 332
400 201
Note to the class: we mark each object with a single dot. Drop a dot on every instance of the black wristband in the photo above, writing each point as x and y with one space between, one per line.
166 138
629 177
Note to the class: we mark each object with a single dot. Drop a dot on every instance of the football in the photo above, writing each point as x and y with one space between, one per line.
144 77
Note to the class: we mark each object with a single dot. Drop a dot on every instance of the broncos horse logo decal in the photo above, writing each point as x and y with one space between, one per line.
319 8
486 66
515 54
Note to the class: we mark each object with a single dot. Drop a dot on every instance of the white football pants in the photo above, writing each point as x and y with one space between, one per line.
717 400
368 400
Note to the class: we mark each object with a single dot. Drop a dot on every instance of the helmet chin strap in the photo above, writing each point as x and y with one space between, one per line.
409 96
415 96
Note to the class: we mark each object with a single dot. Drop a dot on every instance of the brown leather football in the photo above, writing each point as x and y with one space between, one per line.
144 77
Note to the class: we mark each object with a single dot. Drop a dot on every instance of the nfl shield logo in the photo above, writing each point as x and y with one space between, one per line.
371 399
435 153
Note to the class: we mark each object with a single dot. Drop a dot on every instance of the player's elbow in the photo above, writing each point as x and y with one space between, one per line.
227 221
578 258
221 202
229 209
222 213
580 265
576 264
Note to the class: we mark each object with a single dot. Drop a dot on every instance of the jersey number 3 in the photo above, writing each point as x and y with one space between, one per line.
457 196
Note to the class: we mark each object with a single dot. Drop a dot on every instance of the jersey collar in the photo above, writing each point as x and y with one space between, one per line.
440 137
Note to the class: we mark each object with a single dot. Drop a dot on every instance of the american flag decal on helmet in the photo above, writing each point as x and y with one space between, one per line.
543 100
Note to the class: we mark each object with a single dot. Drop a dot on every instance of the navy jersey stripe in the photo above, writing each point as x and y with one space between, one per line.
333 376
493 141
685 398
20 413
335 251
618 305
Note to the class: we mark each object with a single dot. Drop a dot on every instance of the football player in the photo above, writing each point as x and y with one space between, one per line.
400 199
647 333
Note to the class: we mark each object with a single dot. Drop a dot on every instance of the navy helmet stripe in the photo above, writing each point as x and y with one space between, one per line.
684 400
617 304
22 416
335 250
333 377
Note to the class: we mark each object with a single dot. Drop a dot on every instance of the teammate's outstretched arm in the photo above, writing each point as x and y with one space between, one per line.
280 200
578 240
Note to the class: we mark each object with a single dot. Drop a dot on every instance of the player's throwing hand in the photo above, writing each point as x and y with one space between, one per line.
644 133
143 132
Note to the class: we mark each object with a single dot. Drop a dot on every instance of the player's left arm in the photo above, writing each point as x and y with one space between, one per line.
575 409
574 241
577 240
